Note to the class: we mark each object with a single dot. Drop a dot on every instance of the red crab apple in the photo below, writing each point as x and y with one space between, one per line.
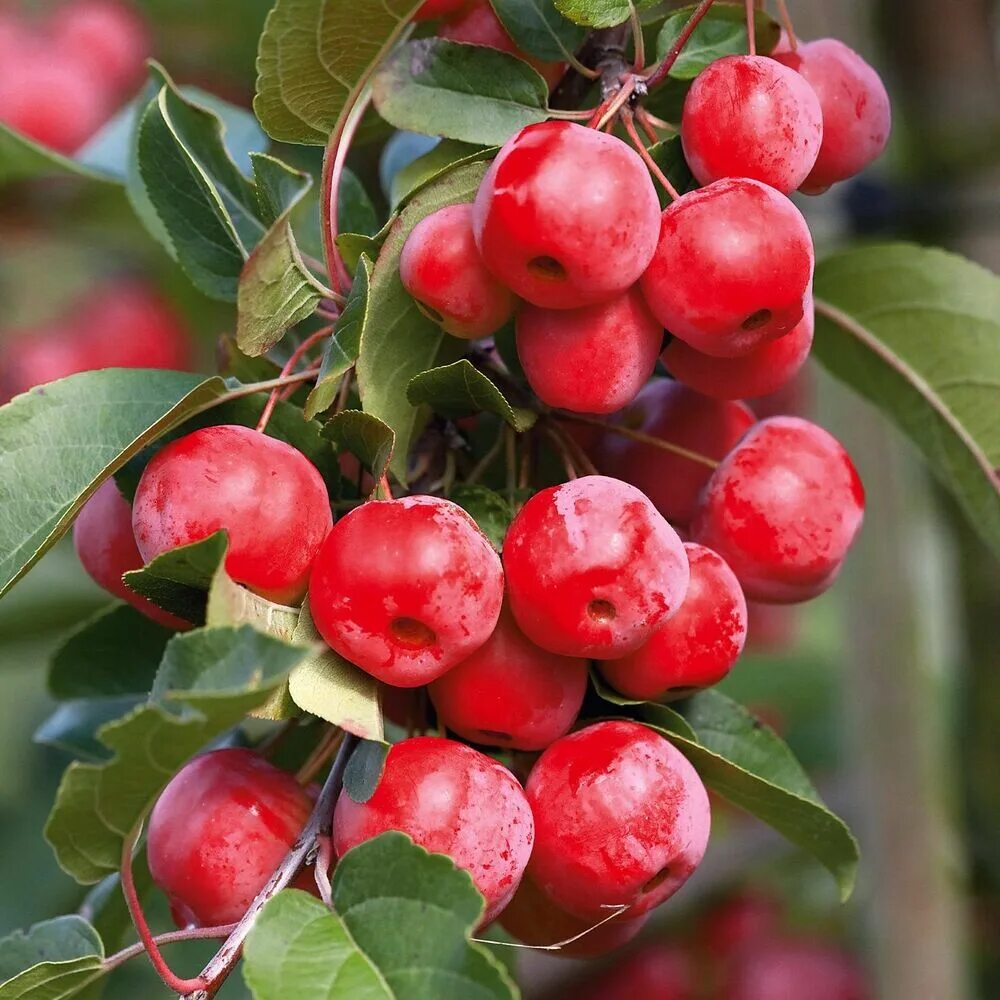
510 692
590 789
566 216
451 800
764 370
737 923
676 414
106 548
219 830
478 24
750 116
782 509
534 919
406 589
589 360
779 969
698 646
732 267
592 568
857 116
441 269
657 970
268 496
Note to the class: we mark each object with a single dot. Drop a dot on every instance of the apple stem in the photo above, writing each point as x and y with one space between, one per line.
640 146
112 962
659 72
751 29
638 42
293 360
147 941
786 23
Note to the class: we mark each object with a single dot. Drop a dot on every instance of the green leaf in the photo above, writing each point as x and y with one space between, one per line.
747 763
341 351
664 717
364 436
489 510
721 32
398 342
917 333
326 685
599 13
314 59
53 960
364 769
299 948
89 664
61 440
208 680
444 156
23 159
178 580
73 726
355 211
461 389
211 213
465 92
669 157
539 29
432 907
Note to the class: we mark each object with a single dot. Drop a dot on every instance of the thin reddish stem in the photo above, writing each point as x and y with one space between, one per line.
312 368
607 111
293 360
786 23
751 29
112 962
171 981
384 488
640 148
638 42
659 72
643 119
334 160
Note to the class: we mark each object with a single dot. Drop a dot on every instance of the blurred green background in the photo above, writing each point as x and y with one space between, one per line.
888 687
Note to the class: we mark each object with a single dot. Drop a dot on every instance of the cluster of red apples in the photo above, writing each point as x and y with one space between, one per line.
63 78
566 233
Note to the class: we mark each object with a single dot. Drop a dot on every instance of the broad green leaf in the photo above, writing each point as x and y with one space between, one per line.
211 213
446 154
61 440
314 59
721 32
665 718
461 389
23 159
341 350
397 154
745 762
364 769
53 960
353 246
465 92
539 29
73 726
326 685
398 342
208 680
299 948
917 333
489 510
178 580
116 653
599 13
355 211
365 437
432 907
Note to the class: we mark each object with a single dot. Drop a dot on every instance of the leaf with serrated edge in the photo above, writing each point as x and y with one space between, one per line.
341 351
539 29
432 907
465 92
745 762
721 32
600 13
398 341
364 436
61 440
917 332
461 389
315 57
208 681
54 960
326 685
88 663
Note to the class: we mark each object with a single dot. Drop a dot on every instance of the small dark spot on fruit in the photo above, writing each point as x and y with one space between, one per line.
547 269
601 612
756 320
411 634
